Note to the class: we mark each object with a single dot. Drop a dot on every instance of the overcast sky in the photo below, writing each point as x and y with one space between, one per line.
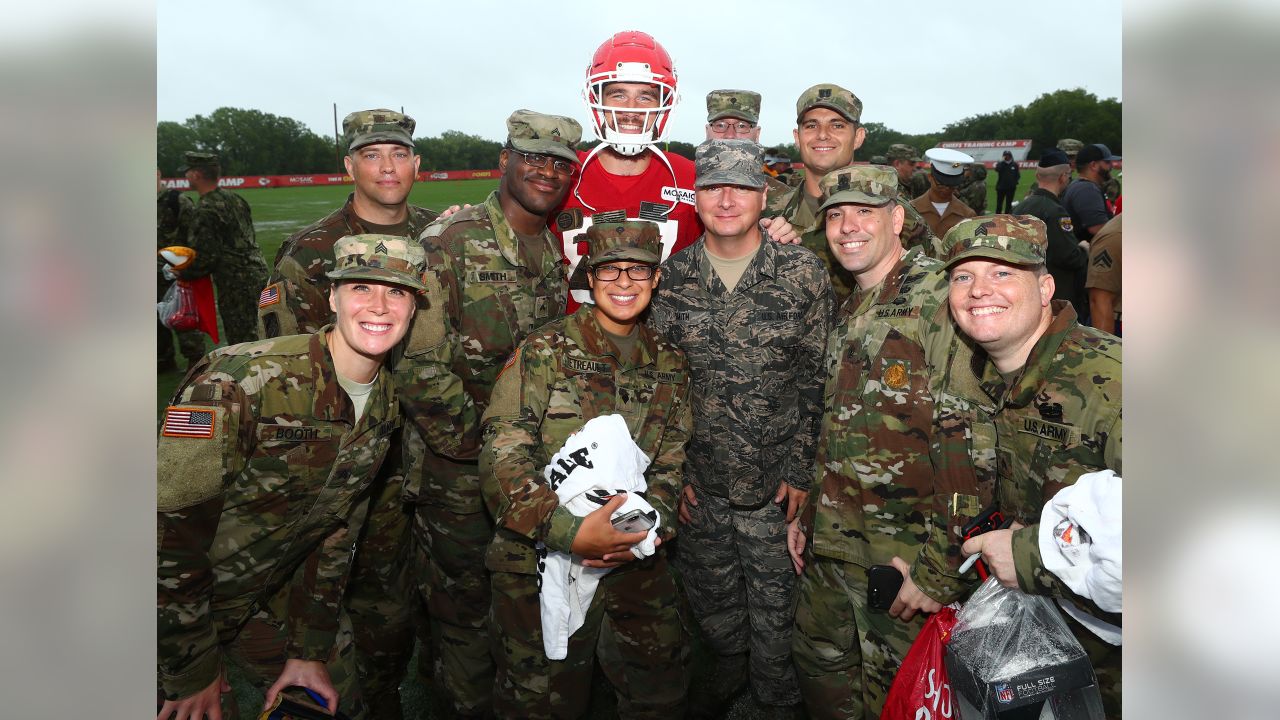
916 66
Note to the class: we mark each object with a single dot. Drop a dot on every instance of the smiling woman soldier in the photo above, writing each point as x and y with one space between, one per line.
265 463
599 361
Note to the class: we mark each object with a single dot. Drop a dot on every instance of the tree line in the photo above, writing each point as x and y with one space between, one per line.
252 142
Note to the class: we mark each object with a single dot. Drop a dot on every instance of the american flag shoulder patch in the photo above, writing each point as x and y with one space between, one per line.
270 295
188 422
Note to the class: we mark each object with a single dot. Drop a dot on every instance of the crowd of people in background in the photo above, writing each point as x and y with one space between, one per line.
531 435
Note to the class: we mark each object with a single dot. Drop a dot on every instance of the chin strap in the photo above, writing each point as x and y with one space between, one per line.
595 150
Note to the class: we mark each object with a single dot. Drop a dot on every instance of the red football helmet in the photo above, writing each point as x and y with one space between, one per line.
631 57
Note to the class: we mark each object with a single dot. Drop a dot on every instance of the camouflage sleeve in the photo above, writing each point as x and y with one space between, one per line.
316 590
302 306
810 381
192 472
665 477
660 318
510 477
203 237
955 498
431 392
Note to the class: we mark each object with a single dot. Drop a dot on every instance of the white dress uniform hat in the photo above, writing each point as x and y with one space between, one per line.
947 164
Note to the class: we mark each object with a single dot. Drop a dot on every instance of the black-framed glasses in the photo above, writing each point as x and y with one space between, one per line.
537 160
607 273
741 126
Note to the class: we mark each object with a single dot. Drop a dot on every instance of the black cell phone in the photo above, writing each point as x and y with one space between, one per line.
883 582
633 522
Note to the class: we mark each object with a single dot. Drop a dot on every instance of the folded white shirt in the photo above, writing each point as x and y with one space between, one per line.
1080 542
596 463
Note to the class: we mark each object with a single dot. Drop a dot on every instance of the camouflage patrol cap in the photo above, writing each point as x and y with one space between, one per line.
366 127
1070 146
382 258
635 240
741 104
533 132
832 97
879 160
861 184
729 162
1017 239
898 151
195 159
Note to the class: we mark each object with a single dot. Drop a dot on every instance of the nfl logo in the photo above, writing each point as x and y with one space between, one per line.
1004 693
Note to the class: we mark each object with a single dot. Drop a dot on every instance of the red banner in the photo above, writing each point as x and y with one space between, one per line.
241 182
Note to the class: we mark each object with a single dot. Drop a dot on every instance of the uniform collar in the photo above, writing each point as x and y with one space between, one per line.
332 402
888 288
1039 361
764 264
587 333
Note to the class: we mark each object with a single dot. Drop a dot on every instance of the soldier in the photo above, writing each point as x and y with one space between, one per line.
500 266
174 211
736 114
383 165
940 207
828 131
1054 390
381 600
974 192
226 247
875 489
752 317
599 361
1103 282
912 183
1066 258
266 456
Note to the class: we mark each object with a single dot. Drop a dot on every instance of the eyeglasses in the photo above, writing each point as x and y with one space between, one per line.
607 273
563 167
724 125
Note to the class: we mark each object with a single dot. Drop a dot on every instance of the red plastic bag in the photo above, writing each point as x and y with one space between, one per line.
178 308
920 690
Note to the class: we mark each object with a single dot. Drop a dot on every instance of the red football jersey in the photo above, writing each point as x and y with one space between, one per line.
646 196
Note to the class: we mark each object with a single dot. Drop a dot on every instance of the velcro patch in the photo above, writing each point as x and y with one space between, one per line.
270 295
294 433
188 422
667 377
778 315
492 276
585 366
1057 432
891 311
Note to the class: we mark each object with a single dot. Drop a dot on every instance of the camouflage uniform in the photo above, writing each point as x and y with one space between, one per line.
245 569
755 355
974 193
501 286
1058 419
564 374
226 247
380 600
174 211
875 496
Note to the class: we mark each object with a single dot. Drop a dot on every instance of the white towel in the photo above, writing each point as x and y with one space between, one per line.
1080 542
597 462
